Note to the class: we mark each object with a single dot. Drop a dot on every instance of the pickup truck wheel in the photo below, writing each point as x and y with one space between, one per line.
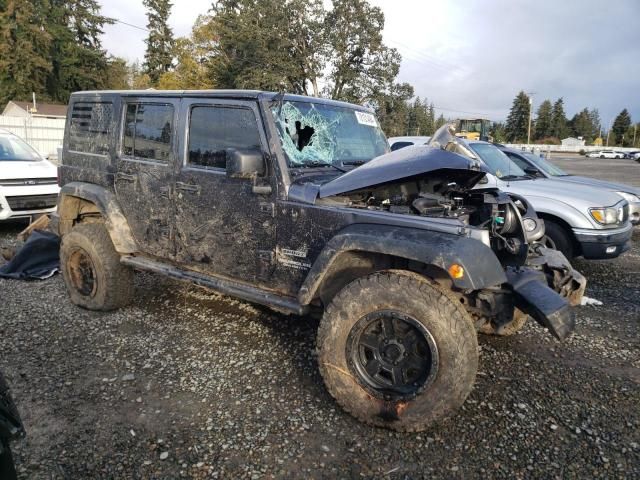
395 351
558 238
92 271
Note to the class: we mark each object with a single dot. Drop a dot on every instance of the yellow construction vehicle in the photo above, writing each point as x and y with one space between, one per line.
474 129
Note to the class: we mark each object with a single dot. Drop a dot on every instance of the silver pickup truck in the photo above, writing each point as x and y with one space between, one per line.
580 220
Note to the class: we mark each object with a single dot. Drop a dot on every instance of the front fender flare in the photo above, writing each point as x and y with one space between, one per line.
482 268
106 203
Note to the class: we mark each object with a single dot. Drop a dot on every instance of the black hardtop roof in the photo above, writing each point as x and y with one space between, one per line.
231 94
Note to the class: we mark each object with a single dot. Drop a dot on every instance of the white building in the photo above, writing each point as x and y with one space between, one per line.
41 110
573 142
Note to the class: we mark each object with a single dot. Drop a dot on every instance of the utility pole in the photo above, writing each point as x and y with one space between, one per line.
609 131
529 94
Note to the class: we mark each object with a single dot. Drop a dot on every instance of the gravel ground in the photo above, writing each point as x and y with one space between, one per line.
185 383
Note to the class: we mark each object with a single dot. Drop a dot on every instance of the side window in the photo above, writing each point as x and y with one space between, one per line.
90 127
518 161
214 129
147 131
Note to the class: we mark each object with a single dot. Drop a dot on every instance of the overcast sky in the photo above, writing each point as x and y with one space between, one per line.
474 57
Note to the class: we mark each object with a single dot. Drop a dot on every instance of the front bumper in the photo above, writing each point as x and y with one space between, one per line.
546 289
27 201
601 244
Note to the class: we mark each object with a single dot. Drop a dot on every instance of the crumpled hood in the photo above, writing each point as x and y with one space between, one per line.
575 194
616 187
405 163
10 170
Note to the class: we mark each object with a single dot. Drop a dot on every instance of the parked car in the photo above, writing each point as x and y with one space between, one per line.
28 182
535 165
580 220
397 143
296 203
633 155
606 154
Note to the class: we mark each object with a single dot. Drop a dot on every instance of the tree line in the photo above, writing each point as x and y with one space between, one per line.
550 124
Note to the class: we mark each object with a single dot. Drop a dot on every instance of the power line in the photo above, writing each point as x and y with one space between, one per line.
130 25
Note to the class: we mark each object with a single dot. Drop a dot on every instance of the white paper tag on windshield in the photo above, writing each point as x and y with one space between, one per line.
366 118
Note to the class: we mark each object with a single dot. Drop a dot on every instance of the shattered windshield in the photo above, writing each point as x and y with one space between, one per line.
315 134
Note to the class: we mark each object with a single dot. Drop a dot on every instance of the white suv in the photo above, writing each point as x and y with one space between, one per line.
28 182
606 154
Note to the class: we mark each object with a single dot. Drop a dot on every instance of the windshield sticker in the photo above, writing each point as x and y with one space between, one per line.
366 118
305 136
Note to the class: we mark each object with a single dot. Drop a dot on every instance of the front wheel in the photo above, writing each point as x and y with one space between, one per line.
558 238
395 351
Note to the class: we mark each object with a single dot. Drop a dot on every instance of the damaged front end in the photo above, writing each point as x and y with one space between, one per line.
430 183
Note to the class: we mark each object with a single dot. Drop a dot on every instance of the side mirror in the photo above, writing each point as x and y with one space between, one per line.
532 171
245 163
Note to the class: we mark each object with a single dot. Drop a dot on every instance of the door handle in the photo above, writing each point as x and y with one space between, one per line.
187 187
125 177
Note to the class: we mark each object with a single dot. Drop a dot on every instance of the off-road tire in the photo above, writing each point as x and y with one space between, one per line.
514 326
112 284
560 237
446 320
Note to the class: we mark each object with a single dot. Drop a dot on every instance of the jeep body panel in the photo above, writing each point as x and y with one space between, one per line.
70 206
482 268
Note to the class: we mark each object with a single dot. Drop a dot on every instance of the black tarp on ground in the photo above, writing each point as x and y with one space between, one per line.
38 258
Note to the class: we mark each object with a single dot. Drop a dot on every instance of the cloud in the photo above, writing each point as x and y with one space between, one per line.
476 56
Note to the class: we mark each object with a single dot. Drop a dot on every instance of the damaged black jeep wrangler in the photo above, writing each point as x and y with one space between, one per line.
296 203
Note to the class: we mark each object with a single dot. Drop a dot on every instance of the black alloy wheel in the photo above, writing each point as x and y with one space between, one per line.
392 354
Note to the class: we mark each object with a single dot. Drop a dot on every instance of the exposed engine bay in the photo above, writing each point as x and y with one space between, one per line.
439 195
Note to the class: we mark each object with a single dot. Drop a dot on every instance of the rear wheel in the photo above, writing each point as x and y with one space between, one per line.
601 156
92 271
397 352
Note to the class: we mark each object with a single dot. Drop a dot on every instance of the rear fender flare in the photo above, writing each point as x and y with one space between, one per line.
73 202
482 268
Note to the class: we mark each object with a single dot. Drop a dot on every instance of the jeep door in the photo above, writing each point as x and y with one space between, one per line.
221 226
145 171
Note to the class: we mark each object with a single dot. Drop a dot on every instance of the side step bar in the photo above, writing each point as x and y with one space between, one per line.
226 287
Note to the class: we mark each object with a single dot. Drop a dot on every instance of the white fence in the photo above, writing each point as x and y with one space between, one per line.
43 134
565 148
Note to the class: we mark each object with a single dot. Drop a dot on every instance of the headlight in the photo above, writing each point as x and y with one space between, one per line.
606 216
529 224
629 197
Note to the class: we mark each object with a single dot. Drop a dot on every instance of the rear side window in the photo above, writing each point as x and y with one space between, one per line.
214 129
148 130
90 127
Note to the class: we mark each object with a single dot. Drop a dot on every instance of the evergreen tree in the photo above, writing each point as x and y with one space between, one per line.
158 58
596 125
559 128
269 45
518 120
581 125
392 109
78 60
24 49
543 121
440 122
620 126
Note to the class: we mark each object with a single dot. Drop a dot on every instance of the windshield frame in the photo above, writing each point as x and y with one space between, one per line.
23 144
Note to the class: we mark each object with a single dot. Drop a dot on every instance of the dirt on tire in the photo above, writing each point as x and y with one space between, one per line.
447 322
111 285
